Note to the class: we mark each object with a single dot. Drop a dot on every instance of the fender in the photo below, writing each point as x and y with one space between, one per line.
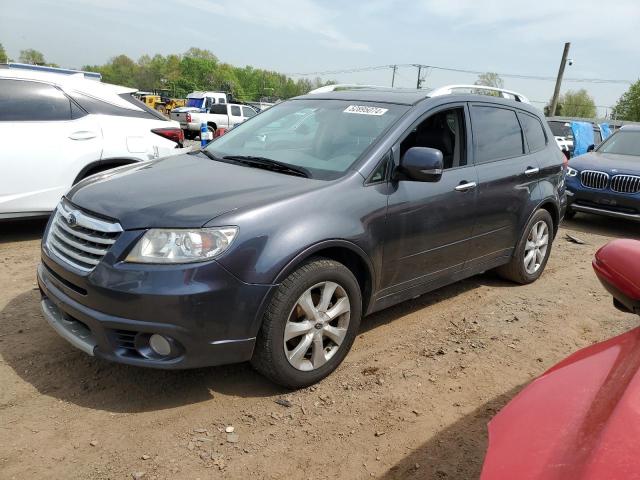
111 162
323 245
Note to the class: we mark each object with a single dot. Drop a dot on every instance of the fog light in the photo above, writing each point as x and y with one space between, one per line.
159 345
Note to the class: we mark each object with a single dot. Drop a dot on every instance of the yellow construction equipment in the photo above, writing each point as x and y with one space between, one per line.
162 104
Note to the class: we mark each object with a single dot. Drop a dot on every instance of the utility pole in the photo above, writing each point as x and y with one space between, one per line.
419 82
393 78
556 91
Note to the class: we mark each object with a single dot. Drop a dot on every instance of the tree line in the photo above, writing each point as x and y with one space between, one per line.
176 75
198 69
579 103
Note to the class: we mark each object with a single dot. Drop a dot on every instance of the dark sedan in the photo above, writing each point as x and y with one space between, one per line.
606 181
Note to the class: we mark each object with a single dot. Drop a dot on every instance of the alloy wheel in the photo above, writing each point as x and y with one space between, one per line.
317 326
536 247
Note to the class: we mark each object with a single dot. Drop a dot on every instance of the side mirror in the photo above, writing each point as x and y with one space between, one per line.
591 148
422 164
617 266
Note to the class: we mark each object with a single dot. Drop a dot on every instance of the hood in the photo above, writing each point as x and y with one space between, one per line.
183 191
606 162
579 420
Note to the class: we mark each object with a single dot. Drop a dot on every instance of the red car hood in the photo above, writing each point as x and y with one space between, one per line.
580 420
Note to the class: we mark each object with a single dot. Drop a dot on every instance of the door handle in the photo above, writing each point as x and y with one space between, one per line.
466 186
83 135
531 171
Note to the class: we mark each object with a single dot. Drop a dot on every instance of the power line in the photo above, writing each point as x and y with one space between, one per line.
459 70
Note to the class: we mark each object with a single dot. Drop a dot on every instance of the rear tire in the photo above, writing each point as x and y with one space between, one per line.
318 308
532 251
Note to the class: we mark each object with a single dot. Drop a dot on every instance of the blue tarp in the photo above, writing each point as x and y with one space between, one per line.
606 131
582 137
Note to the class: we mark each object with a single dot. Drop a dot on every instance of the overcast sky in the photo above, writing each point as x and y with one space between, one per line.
505 36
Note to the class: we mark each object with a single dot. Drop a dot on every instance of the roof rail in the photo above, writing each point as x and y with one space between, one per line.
448 90
345 86
43 68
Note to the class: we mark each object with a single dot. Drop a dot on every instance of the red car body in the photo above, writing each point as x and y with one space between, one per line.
581 418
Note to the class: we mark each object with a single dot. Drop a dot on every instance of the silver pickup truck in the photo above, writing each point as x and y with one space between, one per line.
223 115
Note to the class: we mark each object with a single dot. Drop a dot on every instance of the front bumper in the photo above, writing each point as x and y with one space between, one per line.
210 315
602 202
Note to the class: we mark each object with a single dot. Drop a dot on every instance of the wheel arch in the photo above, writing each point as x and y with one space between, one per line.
550 206
102 165
347 253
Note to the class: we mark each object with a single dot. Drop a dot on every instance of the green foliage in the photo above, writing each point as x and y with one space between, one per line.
576 104
31 56
199 69
3 55
34 57
628 106
490 79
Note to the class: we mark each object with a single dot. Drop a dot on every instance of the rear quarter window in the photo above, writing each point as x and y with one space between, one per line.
533 132
496 132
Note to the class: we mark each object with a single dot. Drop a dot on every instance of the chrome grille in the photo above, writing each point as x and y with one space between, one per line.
594 179
80 239
625 184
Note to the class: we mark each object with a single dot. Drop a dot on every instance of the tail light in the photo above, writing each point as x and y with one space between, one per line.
188 117
173 134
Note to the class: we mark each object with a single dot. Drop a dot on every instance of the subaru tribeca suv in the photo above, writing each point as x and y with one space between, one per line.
271 244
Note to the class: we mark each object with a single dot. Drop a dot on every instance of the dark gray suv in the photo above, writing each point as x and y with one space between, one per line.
274 241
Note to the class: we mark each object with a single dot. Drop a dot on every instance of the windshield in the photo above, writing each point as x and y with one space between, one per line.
622 143
325 137
561 129
195 102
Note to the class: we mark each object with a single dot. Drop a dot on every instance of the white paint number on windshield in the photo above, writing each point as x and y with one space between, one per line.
364 110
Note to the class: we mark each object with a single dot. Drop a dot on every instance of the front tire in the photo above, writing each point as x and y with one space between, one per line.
532 252
309 325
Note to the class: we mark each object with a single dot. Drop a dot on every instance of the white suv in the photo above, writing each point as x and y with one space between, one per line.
57 129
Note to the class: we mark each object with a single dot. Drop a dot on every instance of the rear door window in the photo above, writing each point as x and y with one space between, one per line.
235 111
219 109
24 101
496 133
248 112
533 132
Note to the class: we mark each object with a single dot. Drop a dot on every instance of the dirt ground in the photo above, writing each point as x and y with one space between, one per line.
411 400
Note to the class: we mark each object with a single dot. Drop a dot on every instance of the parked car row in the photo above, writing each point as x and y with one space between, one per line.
219 115
270 244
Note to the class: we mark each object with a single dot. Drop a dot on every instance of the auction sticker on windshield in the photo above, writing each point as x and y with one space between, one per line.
365 110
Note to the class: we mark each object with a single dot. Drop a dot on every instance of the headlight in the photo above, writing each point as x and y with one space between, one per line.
571 172
160 245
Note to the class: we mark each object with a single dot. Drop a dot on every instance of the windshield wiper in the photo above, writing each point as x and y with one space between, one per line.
268 164
207 153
